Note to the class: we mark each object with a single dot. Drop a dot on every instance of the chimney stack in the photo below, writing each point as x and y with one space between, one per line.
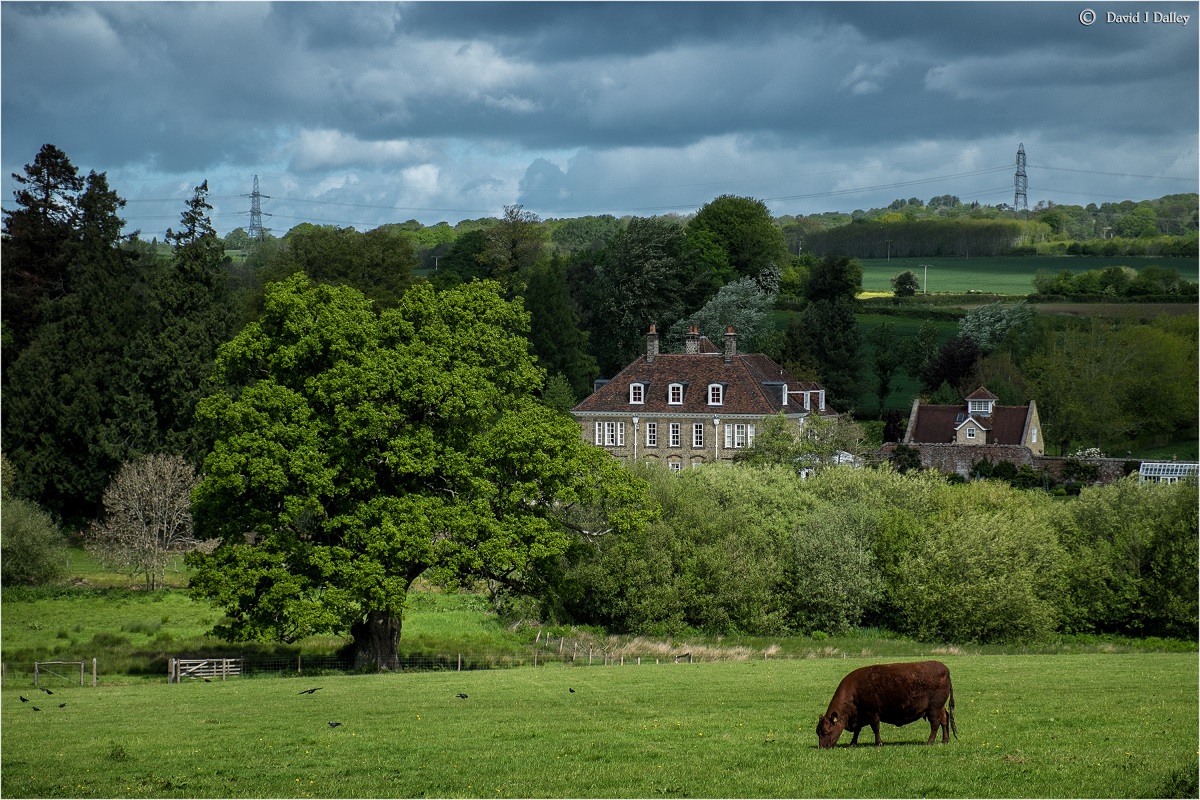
651 345
691 342
730 345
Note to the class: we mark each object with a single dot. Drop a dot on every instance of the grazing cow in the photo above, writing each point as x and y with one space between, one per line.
893 693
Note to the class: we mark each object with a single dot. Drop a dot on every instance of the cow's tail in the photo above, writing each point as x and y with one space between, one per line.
950 711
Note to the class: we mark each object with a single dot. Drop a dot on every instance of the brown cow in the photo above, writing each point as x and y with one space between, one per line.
893 693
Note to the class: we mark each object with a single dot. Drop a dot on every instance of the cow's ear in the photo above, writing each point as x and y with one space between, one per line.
833 718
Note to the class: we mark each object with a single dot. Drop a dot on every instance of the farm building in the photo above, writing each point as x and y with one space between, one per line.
951 438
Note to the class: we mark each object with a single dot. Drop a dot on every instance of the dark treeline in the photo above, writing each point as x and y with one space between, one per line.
930 237
106 345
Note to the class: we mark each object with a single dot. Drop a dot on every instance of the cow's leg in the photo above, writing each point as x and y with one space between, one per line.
875 729
937 719
854 741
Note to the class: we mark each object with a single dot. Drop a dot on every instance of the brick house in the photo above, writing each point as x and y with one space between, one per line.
696 407
952 438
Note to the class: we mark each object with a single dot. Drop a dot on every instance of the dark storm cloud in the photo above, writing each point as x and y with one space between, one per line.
616 106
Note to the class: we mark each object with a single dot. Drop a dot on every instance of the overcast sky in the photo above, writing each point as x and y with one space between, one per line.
366 113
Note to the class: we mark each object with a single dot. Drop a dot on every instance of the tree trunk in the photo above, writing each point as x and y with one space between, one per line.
377 641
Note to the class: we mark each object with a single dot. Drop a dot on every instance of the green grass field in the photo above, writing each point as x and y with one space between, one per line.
1010 275
1045 726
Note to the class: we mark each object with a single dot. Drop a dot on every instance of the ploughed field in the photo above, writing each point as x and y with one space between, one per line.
1095 725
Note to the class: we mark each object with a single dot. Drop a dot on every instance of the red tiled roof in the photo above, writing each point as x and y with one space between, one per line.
752 385
936 424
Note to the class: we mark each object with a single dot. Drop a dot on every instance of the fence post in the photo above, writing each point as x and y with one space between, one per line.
535 656
35 674
171 670
93 672
460 662
81 673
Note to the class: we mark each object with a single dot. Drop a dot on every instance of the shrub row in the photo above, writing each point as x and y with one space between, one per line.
740 550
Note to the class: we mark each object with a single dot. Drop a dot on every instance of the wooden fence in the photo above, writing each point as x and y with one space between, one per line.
203 668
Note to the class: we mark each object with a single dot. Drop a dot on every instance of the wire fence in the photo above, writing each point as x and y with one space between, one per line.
27 673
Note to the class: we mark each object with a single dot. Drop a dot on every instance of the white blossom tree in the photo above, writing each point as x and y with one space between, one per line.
148 517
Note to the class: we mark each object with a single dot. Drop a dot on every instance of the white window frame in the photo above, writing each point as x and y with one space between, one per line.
738 435
675 466
698 435
674 439
620 434
599 440
970 431
637 393
651 434
716 394
674 391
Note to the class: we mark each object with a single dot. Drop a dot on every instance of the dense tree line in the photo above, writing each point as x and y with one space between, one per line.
929 237
1152 282
755 550
106 345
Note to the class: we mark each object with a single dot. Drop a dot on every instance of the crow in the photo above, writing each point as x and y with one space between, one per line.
23 698
572 691
310 691
461 696
35 708
206 680
47 691
62 705
334 724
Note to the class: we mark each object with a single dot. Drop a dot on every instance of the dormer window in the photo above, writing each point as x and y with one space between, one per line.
637 393
980 407
716 394
675 394
970 432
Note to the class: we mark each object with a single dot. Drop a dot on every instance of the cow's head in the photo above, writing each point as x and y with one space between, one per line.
829 729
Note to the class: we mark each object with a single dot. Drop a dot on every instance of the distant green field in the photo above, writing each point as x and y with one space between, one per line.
998 275
1028 726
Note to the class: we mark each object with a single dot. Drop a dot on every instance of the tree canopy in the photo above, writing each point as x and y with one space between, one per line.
355 451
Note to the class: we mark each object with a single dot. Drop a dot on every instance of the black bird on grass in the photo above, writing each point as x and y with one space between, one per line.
62 705
23 698
334 724
47 691
207 680
310 691
461 696
572 691
35 708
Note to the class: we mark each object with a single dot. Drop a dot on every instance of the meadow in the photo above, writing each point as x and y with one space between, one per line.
1005 275
1028 726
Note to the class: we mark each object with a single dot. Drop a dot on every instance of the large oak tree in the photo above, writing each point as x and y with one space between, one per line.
355 451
